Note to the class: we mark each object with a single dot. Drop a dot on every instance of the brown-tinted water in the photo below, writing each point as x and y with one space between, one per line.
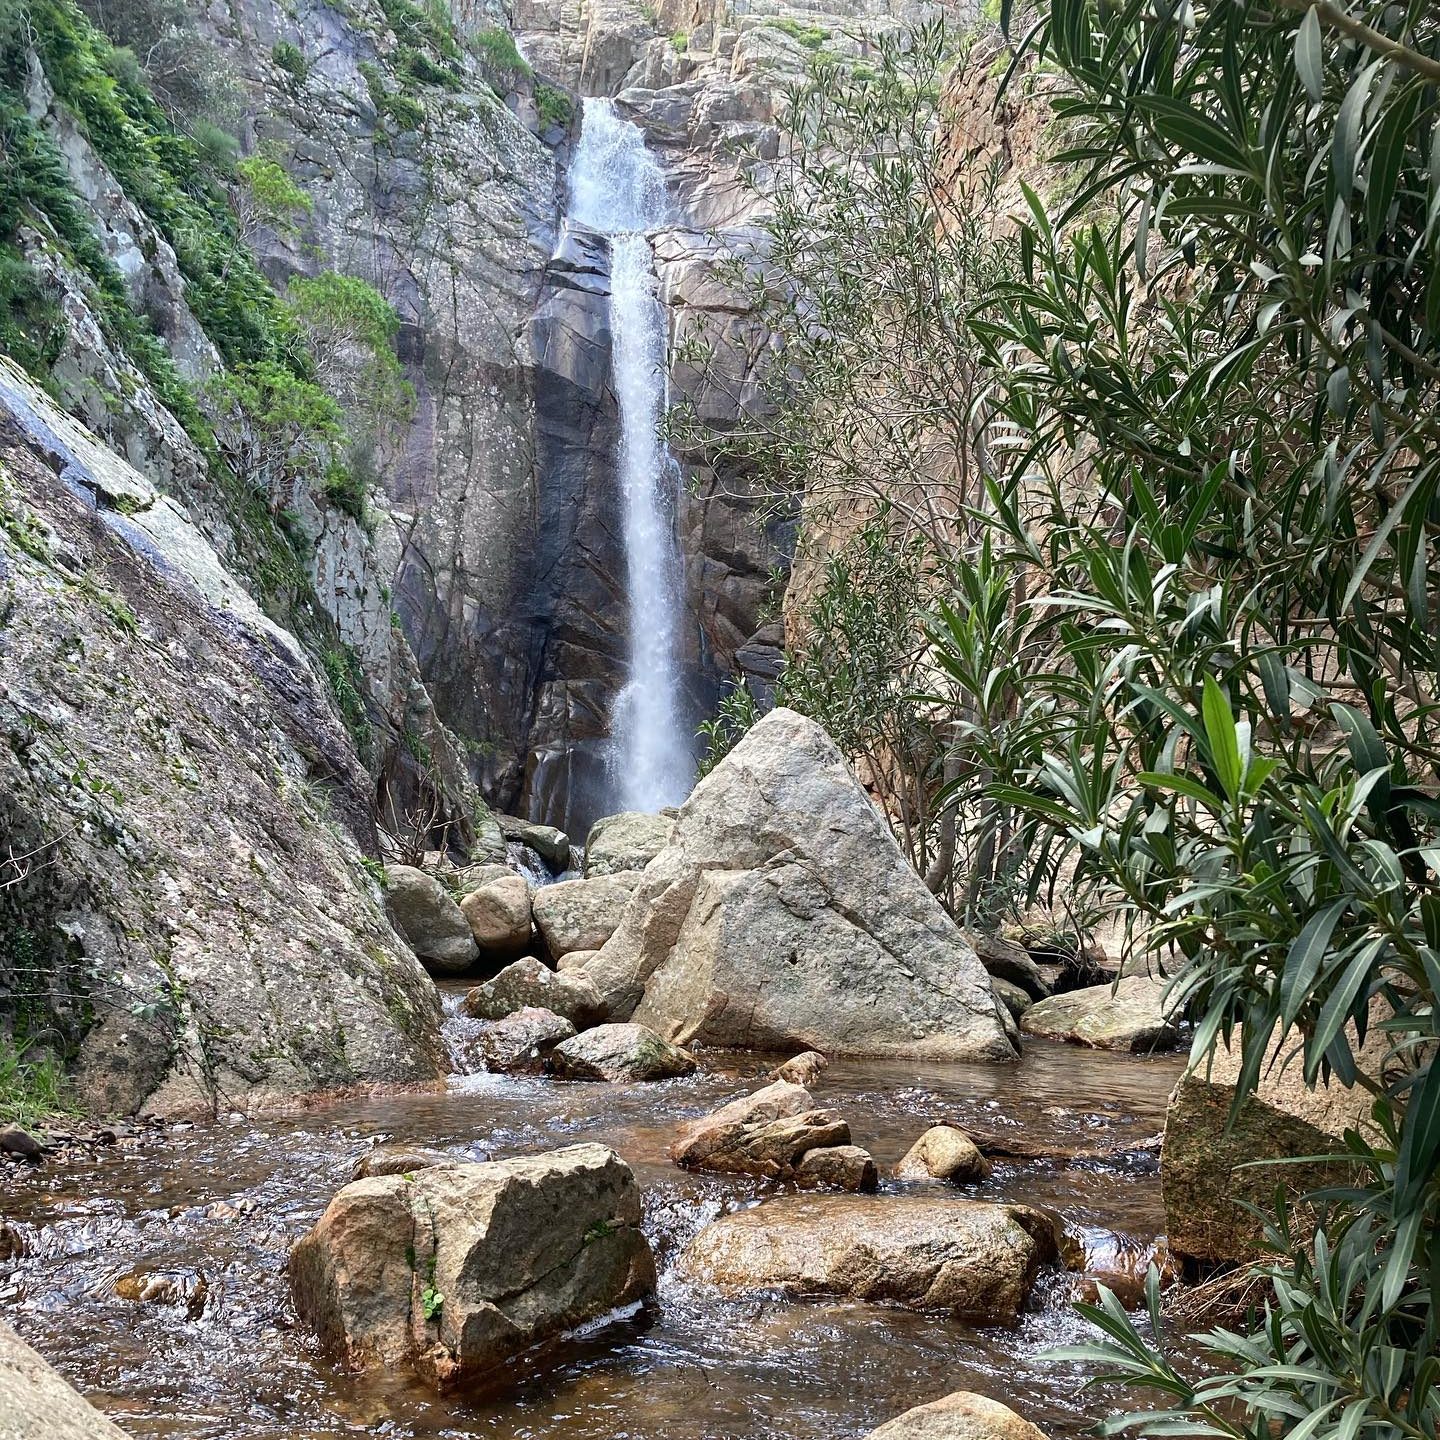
217 1207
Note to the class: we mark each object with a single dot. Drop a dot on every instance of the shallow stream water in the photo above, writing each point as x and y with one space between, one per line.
217 1208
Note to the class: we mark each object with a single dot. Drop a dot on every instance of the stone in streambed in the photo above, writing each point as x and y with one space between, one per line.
803 1069
550 844
396 1160
618 1053
943 1152
575 960
962 1416
528 982
977 1261
768 1134
1134 1014
429 920
457 1270
36 1404
838 1167
1005 960
498 913
523 1039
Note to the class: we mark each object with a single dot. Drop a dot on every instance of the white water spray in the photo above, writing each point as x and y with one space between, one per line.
618 188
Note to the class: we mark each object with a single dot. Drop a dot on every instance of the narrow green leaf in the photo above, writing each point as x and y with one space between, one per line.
1221 733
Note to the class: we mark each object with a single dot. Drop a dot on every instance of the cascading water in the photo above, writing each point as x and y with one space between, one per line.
618 188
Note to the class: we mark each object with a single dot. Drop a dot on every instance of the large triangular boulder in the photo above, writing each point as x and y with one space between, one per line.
782 915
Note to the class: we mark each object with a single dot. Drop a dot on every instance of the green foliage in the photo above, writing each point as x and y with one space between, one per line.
680 42
734 715
556 107
290 58
420 68
496 49
342 671
1227 729
812 37
276 198
405 113
32 327
431 1301
33 1087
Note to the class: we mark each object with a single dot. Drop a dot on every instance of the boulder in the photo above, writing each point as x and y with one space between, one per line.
498 913
472 877
528 983
1005 960
943 1152
765 1134
396 1160
620 1052
454 1271
523 1039
628 841
578 914
432 924
575 960
838 1167
1132 1014
36 1404
1012 997
975 1260
961 1416
803 1069
1207 1169
783 915
550 844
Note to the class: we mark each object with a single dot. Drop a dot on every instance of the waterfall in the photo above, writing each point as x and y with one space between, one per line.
618 188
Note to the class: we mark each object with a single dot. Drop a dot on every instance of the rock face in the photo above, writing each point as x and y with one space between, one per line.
579 914
36 1404
459 1269
962 1416
426 914
976 1261
620 1052
943 1153
777 1133
498 913
628 841
1203 1156
1006 961
783 914
1131 1015
529 983
202 910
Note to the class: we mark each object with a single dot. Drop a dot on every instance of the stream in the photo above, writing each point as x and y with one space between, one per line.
214 1208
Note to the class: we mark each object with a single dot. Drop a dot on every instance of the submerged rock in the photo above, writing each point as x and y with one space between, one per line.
579 914
498 913
36 1404
16 1140
1012 997
961 1416
782 914
803 1069
628 841
620 1052
529 984
432 924
455 1271
1133 1015
977 1261
943 1152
